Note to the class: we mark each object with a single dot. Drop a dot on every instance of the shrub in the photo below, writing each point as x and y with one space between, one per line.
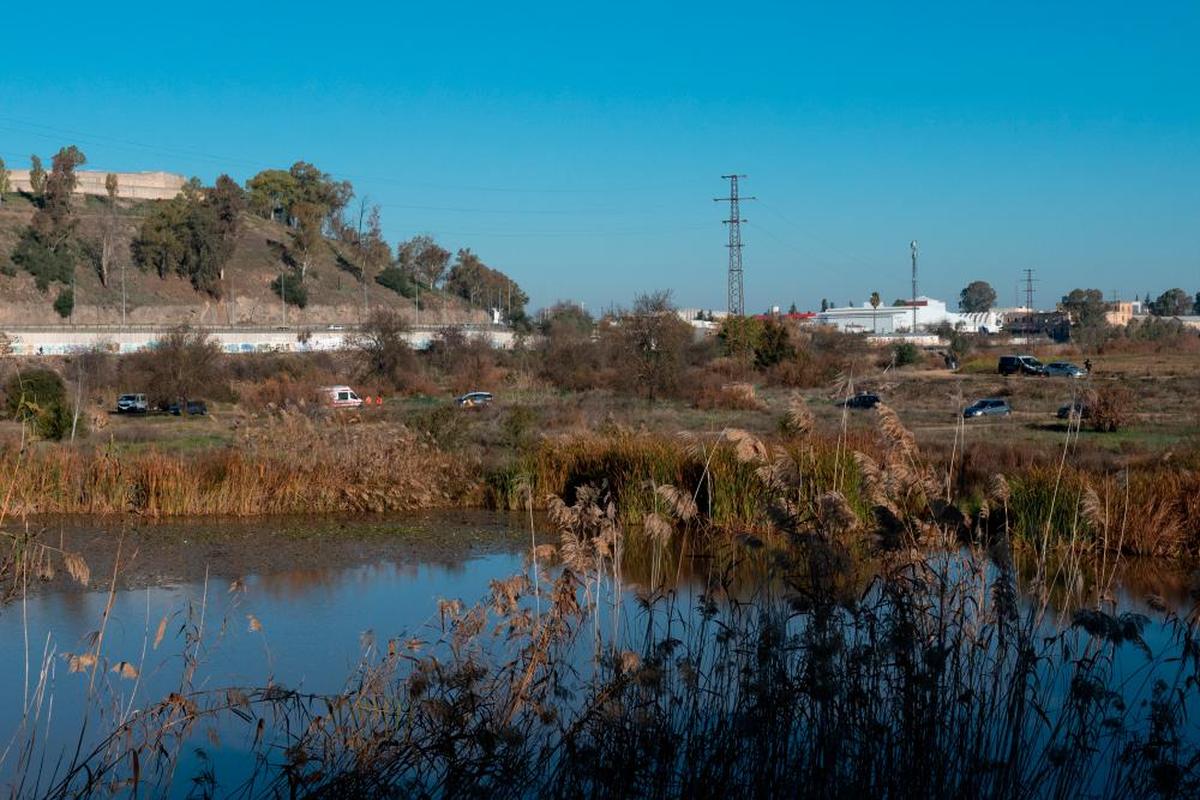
905 353
520 427
54 422
774 345
1110 407
383 353
29 391
729 396
184 364
291 288
64 304
395 279
45 263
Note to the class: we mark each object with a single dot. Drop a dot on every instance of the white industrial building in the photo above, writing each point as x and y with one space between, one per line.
930 313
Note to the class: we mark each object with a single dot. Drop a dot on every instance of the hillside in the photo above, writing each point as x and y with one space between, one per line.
335 295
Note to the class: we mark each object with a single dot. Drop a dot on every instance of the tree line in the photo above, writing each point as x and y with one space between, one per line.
195 235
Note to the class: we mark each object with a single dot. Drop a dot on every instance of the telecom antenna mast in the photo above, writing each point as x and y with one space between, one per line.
737 304
912 246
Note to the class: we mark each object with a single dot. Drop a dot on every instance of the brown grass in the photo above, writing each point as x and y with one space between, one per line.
291 465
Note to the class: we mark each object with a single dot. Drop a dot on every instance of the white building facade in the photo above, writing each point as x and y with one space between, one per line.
929 314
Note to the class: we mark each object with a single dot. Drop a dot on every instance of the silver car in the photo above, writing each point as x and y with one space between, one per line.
1063 369
988 407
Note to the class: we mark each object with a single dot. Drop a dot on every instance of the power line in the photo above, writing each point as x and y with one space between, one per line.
736 300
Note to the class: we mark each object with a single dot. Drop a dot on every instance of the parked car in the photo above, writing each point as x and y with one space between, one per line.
341 397
132 404
474 399
194 408
1077 408
861 400
988 407
1064 369
1020 365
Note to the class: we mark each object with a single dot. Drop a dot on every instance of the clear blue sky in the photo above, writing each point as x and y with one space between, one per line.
577 146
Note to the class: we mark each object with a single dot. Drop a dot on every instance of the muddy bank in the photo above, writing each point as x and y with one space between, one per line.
178 551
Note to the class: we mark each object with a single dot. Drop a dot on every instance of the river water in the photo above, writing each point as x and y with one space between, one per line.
287 602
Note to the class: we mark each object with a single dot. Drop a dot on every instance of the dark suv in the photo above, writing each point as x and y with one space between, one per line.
861 400
1020 365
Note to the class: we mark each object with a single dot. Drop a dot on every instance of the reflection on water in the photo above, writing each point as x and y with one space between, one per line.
304 626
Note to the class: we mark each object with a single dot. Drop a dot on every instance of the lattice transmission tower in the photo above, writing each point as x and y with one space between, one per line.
1029 283
736 301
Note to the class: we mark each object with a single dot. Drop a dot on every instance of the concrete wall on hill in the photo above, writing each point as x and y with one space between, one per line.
130 185
64 340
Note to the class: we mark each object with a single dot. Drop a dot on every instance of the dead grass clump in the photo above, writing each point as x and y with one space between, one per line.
1110 407
729 396
285 466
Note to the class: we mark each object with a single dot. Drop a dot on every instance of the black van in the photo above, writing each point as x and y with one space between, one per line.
1020 365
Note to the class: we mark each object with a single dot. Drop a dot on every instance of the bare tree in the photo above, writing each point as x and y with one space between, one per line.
651 341
382 350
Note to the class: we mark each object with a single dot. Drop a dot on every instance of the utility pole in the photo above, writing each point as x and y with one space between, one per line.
736 302
1029 282
122 293
362 255
912 246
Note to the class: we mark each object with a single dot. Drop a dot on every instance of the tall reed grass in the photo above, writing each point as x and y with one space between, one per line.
293 466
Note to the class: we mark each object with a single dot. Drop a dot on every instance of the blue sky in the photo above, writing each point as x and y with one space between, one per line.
578 146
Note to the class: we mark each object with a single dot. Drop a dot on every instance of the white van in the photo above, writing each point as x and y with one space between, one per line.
341 397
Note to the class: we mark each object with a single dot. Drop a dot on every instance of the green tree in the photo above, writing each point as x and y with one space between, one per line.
1086 309
977 297
483 286
271 194
47 248
192 235
740 337
60 184
1172 303
160 243
423 259
64 304
905 353
276 194
28 391
565 317
1196 305
228 201
4 181
774 345
291 289
306 234
37 177
875 301
399 282
108 229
